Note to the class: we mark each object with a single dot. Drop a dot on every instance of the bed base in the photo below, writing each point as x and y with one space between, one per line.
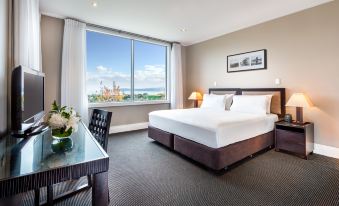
161 136
214 158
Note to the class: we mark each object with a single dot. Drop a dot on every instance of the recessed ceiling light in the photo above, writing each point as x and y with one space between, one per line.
183 29
94 4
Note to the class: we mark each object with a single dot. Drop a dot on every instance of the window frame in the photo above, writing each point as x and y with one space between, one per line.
141 39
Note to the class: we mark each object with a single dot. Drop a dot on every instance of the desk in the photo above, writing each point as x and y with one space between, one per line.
27 164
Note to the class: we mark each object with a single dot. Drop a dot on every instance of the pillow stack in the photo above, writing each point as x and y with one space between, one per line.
220 102
254 104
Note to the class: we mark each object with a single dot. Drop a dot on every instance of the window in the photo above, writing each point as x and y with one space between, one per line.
149 71
125 70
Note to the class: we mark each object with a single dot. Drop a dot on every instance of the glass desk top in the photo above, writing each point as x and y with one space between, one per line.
19 157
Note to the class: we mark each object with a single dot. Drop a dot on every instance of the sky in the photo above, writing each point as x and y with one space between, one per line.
109 59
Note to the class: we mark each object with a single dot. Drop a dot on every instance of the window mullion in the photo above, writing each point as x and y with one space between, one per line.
132 70
167 79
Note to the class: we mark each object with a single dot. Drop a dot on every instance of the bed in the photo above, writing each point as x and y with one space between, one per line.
218 139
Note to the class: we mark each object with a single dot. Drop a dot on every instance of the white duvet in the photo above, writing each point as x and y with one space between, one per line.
213 128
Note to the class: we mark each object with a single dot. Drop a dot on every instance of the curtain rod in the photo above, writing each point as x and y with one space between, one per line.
124 32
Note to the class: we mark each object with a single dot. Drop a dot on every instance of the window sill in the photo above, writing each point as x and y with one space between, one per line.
123 104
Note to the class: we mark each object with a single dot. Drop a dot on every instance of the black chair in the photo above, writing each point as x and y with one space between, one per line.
99 127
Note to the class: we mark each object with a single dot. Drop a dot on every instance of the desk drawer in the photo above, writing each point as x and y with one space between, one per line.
290 141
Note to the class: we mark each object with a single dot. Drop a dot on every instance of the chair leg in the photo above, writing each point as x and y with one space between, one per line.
37 197
89 180
50 195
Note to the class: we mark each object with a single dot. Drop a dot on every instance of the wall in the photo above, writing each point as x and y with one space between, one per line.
184 74
3 66
51 43
51 49
303 50
122 115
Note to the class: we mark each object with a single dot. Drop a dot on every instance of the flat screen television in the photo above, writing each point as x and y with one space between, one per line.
27 99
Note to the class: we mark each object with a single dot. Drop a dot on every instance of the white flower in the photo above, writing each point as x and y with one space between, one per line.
57 121
73 123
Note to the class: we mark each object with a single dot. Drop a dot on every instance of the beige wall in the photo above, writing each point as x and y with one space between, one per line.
303 50
3 66
133 114
51 49
184 74
51 43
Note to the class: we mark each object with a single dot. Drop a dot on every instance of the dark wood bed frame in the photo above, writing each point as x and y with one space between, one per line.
220 158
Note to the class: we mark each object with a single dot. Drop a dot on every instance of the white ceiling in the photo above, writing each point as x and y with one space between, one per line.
203 19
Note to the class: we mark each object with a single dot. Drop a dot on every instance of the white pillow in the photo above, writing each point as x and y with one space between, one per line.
228 98
269 100
255 104
213 101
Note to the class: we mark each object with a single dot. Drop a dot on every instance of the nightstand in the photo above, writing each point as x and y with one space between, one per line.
295 138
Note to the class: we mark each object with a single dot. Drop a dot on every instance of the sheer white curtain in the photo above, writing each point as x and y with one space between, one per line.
73 73
176 78
27 33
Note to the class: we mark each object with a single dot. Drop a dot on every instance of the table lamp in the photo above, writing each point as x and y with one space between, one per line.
300 101
195 96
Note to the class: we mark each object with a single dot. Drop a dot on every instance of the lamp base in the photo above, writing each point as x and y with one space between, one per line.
300 119
195 103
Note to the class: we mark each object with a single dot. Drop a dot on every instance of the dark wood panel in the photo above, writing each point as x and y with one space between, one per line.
295 138
161 136
100 189
291 141
218 158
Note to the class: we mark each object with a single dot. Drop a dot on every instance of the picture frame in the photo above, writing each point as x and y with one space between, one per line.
248 61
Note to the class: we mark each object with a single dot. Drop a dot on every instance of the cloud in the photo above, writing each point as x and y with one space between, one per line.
104 76
108 72
102 69
151 73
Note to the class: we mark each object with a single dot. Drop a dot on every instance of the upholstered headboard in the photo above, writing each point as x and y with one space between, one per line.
278 98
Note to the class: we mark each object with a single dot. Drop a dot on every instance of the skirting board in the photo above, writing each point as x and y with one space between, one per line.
326 150
128 127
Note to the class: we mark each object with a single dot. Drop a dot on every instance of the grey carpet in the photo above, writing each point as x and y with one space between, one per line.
143 172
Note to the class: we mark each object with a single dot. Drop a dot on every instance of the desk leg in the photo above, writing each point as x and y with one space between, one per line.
100 189
37 197
50 195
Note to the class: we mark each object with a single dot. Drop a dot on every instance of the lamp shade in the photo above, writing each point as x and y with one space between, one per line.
195 96
299 100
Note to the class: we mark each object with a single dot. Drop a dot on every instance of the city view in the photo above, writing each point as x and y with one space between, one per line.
117 94
109 69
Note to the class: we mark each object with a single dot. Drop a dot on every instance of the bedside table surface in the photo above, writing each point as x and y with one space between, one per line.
293 124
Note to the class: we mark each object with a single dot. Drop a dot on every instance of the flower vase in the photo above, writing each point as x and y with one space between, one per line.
61 145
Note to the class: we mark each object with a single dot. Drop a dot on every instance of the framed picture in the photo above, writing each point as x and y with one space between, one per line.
254 60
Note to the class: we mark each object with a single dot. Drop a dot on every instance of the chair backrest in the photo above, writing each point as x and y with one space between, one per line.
99 126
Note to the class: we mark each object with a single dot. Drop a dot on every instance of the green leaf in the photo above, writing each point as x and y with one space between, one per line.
62 132
70 130
55 106
65 115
